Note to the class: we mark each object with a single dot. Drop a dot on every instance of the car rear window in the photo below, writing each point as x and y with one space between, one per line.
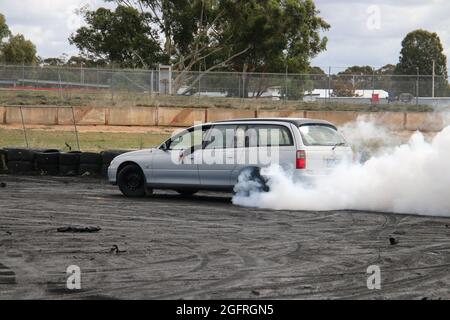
321 135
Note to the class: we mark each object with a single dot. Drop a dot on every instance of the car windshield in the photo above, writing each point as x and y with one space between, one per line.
321 135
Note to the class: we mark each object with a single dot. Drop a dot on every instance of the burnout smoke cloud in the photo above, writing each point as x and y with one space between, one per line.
410 178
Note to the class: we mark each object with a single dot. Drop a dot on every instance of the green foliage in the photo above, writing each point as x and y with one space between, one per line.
232 35
358 70
122 37
388 69
18 50
279 34
4 30
316 71
419 49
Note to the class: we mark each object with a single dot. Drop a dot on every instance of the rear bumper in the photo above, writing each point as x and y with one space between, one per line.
310 178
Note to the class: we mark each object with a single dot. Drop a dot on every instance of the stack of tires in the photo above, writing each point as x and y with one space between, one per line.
90 164
20 160
47 162
3 166
53 162
69 163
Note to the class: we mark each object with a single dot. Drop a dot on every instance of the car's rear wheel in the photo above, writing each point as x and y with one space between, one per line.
250 181
186 193
131 181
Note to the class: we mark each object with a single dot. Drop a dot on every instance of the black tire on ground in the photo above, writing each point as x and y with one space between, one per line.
109 155
68 170
131 181
89 169
44 159
13 154
47 169
255 182
186 192
20 166
91 158
3 166
46 150
69 159
104 170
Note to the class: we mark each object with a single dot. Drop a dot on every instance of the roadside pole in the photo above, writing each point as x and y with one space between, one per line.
432 81
76 129
23 126
417 87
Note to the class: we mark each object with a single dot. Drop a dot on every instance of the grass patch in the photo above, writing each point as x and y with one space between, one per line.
89 141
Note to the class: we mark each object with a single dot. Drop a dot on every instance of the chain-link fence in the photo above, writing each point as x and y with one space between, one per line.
78 86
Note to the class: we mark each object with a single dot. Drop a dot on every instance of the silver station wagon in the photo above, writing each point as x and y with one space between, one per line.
213 156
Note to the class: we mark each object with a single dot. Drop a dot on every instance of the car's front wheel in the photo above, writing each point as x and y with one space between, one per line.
131 181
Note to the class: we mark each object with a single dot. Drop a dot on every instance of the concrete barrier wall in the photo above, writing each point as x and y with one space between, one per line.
185 117
83 116
425 121
220 114
131 116
2 115
281 114
180 117
41 115
339 118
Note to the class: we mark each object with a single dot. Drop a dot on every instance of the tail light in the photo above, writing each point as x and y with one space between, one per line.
301 159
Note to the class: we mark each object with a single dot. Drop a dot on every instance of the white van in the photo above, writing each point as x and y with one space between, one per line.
212 156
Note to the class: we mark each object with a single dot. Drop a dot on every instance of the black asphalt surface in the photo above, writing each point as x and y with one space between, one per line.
167 247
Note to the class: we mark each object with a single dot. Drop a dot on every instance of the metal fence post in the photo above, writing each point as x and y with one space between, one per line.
23 126
60 85
76 129
23 74
417 87
286 84
329 84
199 86
239 85
151 83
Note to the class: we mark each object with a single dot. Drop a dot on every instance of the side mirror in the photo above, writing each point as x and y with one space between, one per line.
165 146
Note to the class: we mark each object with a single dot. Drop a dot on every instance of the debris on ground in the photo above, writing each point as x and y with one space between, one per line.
115 250
79 229
256 292
393 241
2 185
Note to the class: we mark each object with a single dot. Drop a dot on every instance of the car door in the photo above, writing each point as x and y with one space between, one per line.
264 144
219 157
174 164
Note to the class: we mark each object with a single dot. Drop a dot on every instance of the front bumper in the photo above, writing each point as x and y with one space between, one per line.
112 175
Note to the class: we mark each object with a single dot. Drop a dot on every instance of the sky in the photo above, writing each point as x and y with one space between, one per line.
363 32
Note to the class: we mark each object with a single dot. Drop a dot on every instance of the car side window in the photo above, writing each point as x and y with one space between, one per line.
240 137
220 137
188 139
268 136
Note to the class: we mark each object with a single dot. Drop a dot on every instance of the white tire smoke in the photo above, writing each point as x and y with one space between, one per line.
412 178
